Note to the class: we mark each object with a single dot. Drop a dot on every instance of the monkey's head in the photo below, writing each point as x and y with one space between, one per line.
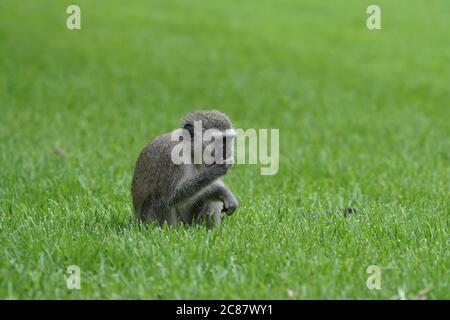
213 126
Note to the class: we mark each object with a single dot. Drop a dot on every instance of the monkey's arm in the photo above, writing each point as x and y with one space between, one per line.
191 187
218 191
224 194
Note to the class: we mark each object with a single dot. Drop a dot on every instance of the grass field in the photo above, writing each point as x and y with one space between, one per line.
363 118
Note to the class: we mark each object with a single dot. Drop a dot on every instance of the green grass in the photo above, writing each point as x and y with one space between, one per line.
363 118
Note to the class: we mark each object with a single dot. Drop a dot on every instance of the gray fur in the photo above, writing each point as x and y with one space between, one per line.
165 192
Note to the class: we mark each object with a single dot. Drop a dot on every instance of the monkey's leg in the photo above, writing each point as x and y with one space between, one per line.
172 217
186 213
160 215
215 218
200 212
211 212
149 214
218 191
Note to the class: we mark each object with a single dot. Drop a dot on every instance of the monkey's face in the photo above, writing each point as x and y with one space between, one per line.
217 146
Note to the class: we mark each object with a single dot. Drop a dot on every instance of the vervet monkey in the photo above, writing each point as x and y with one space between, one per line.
164 191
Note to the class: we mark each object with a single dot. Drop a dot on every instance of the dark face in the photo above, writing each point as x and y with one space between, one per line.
215 147
224 143
222 149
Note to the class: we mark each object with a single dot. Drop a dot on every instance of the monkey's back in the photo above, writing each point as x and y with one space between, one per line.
154 175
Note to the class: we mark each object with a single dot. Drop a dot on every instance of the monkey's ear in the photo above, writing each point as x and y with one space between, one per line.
189 127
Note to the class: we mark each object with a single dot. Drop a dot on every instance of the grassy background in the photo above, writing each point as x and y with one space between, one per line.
363 118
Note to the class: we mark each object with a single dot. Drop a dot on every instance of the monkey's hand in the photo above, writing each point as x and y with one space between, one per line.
230 204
